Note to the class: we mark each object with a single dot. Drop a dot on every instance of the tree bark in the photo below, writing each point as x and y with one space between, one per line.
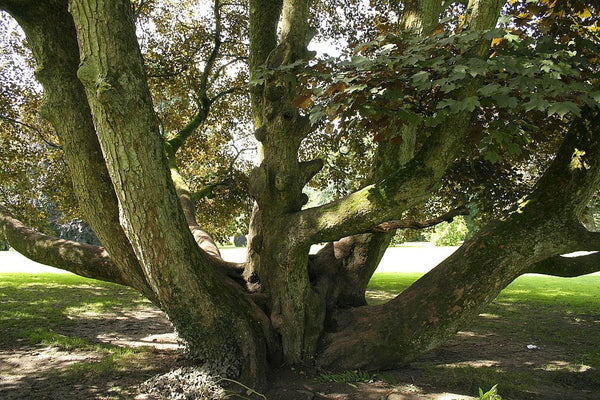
545 224
208 313
312 307
567 267
79 258
51 35
281 233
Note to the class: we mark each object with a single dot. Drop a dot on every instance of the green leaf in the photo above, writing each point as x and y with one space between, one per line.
562 108
421 76
505 101
470 103
448 87
316 113
356 88
492 156
466 104
407 115
447 103
458 72
434 120
536 102
476 66
256 81
489 89
512 38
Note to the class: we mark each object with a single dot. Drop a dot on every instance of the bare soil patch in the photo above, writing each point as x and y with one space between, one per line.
538 340
42 372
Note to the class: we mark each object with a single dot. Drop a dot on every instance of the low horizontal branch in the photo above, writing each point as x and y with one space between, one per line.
568 267
412 224
79 258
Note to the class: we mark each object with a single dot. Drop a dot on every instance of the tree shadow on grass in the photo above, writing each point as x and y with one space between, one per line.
75 375
90 321
530 352
71 338
97 312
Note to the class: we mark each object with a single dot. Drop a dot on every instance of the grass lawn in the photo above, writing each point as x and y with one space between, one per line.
558 318
540 339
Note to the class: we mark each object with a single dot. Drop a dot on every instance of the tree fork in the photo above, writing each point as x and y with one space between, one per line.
51 35
430 311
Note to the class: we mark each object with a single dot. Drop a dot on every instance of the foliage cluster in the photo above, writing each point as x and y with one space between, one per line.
195 85
540 71
449 233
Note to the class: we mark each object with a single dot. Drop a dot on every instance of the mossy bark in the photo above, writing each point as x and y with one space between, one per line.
545 224
106 122
51 36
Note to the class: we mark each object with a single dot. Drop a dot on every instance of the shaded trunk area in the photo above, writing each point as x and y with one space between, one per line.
294 308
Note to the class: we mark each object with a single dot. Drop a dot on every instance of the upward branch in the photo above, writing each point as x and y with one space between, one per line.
407 187
382 201
203 102
51 36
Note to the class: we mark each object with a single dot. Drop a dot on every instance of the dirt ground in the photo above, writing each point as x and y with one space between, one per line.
46 373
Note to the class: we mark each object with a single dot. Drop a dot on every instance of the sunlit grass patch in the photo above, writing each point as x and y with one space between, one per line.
559 318
387 285
62 342
34 303
469 379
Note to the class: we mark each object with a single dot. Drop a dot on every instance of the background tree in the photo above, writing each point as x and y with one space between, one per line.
440 89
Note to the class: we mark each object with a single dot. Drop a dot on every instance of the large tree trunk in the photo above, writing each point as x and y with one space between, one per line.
51 35
281 233
310 309
125 181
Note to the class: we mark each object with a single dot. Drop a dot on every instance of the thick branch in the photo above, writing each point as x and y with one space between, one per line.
362 210
204 103
542 226
212 58
421 15
387 198
207 312
568 267
52 38
264 17
175 143
294 29
412 224
80 258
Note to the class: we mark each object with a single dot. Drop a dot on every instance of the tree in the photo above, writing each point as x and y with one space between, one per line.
439 92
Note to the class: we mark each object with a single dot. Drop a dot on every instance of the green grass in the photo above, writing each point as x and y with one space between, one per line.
35 309
351 377
561 316
554 313
43 309
32 303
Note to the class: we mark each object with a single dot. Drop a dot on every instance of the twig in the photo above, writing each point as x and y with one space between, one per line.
249 389
412 224
33 128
